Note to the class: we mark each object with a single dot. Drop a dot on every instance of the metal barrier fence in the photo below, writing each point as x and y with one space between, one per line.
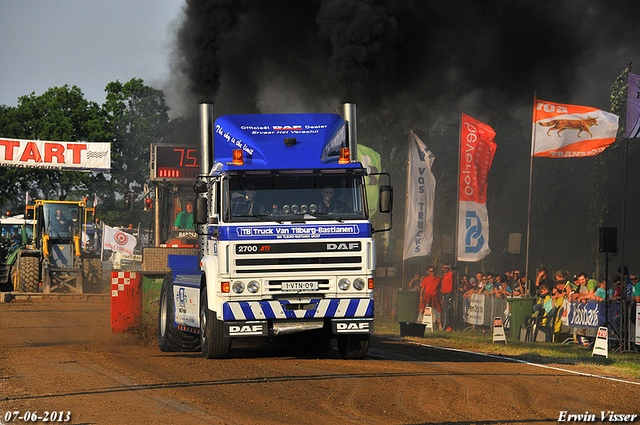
480 310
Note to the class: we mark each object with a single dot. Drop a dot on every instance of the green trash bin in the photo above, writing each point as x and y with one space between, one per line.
519 307
408 306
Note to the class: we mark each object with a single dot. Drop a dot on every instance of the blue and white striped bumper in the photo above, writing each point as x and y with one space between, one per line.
318 309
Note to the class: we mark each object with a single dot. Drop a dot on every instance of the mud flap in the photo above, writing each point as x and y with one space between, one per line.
352 326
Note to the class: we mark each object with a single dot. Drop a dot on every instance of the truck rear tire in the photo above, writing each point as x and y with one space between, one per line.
169 338
353 347
28 274
212 340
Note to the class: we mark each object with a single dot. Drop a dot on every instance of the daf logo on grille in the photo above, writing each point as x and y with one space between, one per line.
352 246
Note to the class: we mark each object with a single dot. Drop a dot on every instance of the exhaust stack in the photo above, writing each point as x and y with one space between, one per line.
206 136
349 112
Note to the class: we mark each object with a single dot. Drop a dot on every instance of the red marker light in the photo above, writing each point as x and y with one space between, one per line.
344 156
238 157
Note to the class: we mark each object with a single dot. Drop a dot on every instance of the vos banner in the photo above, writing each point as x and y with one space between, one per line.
477 148
421 188
633 107
565 131
72 156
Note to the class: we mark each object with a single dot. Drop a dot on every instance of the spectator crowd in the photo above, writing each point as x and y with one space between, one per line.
437 290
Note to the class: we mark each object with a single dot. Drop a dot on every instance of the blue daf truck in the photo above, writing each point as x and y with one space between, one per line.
285 246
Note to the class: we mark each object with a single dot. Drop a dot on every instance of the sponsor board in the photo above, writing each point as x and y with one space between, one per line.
427 319
498 330
601 346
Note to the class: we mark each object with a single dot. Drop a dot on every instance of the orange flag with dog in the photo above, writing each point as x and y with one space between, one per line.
568 131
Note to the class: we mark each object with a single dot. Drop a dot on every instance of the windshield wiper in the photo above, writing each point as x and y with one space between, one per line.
325 217
261 217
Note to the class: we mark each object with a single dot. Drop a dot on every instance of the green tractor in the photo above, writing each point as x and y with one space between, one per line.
60 257
15 234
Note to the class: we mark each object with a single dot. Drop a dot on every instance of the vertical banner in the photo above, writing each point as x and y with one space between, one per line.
633 107
476 154
421 188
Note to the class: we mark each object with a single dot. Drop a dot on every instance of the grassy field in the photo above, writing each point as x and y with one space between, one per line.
618 364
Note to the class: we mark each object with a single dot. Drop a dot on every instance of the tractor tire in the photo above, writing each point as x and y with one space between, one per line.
212 339
353 347
171 339
28 275
92 276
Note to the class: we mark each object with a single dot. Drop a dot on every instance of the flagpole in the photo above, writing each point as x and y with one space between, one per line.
624 342
406 203
533 138
457 225
456 296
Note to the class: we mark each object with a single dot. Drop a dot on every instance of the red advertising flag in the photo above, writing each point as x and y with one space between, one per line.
477 148
566 131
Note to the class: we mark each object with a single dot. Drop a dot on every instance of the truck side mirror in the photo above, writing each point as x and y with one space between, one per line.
201 211
200 187
385 199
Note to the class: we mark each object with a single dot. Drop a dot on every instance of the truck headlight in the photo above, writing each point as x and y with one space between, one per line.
238 287
344 284
253 286
358 284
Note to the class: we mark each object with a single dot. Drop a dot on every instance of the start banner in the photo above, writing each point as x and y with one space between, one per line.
72 156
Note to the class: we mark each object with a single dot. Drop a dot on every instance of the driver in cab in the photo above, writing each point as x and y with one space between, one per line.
330 205
247 205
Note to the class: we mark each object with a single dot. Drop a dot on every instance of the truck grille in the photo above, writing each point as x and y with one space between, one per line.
296 257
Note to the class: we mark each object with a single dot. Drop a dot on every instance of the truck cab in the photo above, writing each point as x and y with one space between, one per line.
285 245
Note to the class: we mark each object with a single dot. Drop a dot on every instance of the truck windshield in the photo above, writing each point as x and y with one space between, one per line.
285 198
61 221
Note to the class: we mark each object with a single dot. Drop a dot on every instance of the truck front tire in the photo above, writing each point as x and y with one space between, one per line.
169 338
212 340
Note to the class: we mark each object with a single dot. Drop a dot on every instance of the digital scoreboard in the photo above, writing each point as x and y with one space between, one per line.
175 162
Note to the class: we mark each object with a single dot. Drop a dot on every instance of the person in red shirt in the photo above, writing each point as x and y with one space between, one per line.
447 297
429 292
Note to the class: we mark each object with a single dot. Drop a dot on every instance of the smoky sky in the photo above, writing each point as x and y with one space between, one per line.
416 60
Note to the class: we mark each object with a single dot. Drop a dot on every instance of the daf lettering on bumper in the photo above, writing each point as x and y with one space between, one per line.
363 326
253 328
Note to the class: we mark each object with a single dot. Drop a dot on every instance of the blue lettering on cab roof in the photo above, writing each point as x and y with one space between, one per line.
318 139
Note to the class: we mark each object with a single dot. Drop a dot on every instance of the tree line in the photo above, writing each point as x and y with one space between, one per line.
572 198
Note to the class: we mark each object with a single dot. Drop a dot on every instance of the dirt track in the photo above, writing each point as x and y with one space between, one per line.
62 356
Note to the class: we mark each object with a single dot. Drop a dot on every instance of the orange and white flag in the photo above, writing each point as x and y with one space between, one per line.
567 131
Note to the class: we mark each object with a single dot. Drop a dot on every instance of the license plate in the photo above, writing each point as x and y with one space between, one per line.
299 286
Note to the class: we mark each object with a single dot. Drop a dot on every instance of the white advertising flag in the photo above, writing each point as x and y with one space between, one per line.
117 240
421 188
